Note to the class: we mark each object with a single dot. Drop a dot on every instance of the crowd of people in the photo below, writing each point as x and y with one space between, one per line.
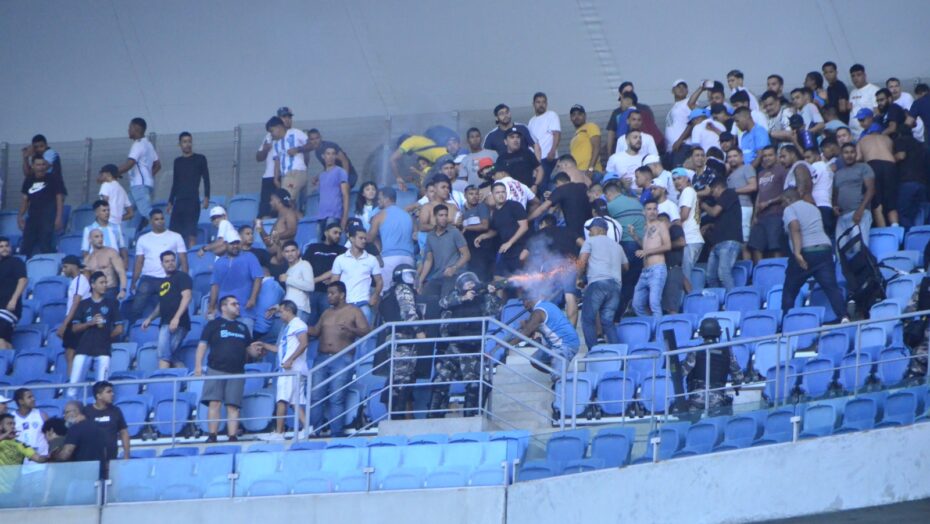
597 231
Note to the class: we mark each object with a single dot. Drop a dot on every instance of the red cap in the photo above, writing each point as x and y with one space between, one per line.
484 162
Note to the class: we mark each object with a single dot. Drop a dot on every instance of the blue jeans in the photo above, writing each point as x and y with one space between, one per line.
649 289
910 196
631 277
690 257
336 404
568 352
369 345
720 264
145 297
168 342
601 300
142 198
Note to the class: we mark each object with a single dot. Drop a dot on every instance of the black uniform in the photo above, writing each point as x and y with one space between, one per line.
185 193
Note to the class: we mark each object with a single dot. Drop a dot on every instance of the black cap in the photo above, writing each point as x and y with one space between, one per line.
331 224
576 108
599 206
717 108
513 131
796 121
73 260
284 111
726 136
498 108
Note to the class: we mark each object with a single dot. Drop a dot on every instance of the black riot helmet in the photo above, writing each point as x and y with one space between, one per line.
404 274
461 283
709 329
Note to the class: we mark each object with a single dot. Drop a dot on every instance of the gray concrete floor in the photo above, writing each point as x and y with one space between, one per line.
917 511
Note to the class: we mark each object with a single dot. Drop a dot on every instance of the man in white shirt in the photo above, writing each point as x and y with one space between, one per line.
297 280
113 193
623 164
516 191
225 233
142 166
735 83
635 121
689 213
662 177
706 133
546 131
804 105
862 97
293 340
357 269
290 166
778 118
148 272
676 120
266 155
904 100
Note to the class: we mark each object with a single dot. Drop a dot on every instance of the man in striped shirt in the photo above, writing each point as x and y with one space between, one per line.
112 233
288 150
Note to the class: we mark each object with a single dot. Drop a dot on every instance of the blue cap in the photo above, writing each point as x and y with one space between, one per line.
284 111
695 113
598 222
864 113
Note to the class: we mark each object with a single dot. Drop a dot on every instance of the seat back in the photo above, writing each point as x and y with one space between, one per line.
743 299
768 273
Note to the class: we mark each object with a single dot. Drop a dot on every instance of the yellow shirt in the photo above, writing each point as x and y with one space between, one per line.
12 453
424 147
581 145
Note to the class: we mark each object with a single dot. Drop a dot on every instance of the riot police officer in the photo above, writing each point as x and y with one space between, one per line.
470 298
399 305
722 365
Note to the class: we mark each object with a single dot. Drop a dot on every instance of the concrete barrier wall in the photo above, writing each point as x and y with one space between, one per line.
816 476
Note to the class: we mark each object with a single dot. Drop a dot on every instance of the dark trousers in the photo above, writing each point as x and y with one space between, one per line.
829 222
264 205
38 235
819 265
631 277
548 166
439 287
145 297
910 196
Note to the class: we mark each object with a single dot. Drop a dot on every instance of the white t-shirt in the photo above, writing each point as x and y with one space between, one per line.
688 198
541 128
143 152
29 432
614 229
753 101
759 118
299 284
675 122
227 231
79 286
288 344
781 121
356 274
116 196
904 102
269 160
671 209
517 191
665 180
648 148
861 98
151 245
822 177
292 139
811 115
623 164
705 139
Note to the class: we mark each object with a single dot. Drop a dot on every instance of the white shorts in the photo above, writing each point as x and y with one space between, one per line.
747 221
287 391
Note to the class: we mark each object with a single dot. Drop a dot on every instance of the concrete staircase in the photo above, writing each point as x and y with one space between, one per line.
517 401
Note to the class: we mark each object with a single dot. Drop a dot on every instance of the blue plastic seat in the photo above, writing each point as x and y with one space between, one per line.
657 394
645 361
225 449
893 364
257 411
741 271
833 346
171 416
883 242
916 239
699 303
180 452
403 478
50 289
242 209
635 331
759 323
488 476
476 436
135 411
904 261
427 457
266 488
27 337
698 278
343 460
447 477
683 325
779 382
147 357
769 354
464 454
743 299
741 431
314 482
702 437
308 231
428 438
768 273
615 393
538 469
567 445
900 288
384 459
42 266
578 388
612 353
671 439
27 366
799 319
819 420
860 413
817 377
582 465
131 481
777 427
900 409
255 467
613 446
848 376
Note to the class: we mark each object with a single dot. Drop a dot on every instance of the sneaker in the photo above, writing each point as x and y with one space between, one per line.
211 439
232 438
272 437
845 320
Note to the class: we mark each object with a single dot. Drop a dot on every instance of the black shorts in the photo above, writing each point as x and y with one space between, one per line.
507 266
184 217
886 185
767 234
8 322
70 340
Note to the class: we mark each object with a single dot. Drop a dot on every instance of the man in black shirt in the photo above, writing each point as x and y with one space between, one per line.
85 440
321 256
44 199
174 297
109 419
96 322
726 235
228 340
520 162
317 145
12 285
837 93
509 224
39 148
184 202
890 115
572 199
495 140
476 217
673 292
913 170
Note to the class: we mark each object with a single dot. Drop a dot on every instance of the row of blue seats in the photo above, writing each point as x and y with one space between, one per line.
570 451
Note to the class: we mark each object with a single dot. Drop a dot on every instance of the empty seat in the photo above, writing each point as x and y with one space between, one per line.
604 358
741 431
426 457
564 446
859 414
42 266
578 388
447 477
404 478
893 364
768 273
476 436
644 362
615 393
817 377
613 446
255 467
50 289
683 325
538 469
257 411
916 240
777 427
803 318
852 376
242 209
671 439
900 409
882 241
702 437
903 261
819 420
833 346
743 299
657 394
699 303
635 331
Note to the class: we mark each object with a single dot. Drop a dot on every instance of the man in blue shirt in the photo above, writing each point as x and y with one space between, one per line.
238 274
558 335
753 139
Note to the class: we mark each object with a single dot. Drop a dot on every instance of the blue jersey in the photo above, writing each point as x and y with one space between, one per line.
556 329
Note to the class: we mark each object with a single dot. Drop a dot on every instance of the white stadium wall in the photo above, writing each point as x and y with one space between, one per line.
79 68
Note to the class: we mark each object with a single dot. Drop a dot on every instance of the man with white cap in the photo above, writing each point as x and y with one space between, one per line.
689 212
3 404
225 233
661 176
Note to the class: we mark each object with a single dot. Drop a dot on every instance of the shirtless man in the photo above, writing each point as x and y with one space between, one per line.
338 327
427 219
877 151
285 228
108 260
568 165
651 282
